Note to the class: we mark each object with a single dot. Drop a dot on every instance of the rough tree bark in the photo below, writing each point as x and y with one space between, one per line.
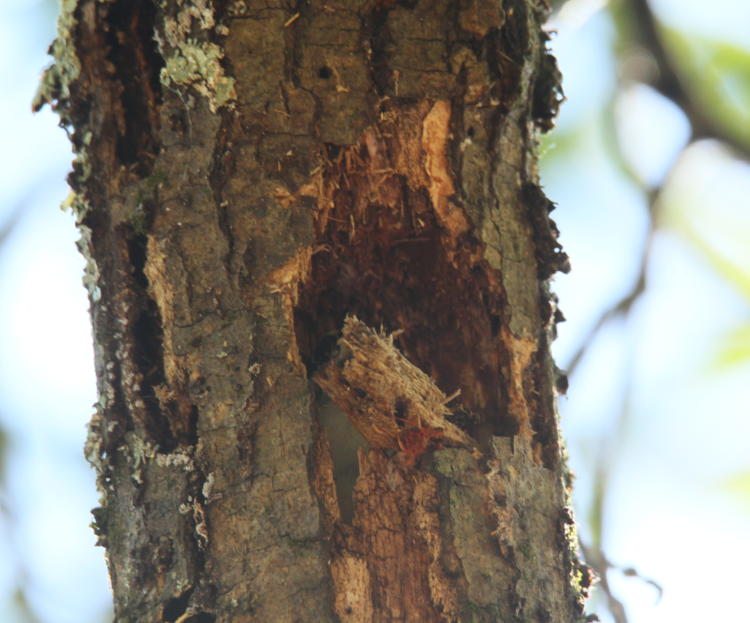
249 176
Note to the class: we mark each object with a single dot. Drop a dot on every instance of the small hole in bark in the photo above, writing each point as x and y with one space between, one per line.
332 150
325 72
505 427
324 350
495 324
400 413
178 122
176 606
192 432
470 132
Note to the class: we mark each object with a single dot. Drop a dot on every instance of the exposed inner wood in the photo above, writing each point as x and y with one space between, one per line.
389 400
393 246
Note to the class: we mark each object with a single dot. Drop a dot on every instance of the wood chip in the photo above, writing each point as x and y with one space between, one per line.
390 401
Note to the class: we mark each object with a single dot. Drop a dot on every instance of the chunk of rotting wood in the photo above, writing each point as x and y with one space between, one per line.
390 401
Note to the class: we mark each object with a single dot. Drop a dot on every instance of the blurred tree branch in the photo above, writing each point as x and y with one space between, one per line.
670 82
643 31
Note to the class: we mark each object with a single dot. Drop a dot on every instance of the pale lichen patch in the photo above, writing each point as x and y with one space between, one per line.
198 65
193 62
56 79
178 458
139 452
91 276
191 11
94 448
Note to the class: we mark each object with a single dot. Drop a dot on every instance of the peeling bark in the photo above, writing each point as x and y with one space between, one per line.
248 175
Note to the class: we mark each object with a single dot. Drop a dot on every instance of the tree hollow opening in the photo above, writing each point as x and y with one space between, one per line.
382 253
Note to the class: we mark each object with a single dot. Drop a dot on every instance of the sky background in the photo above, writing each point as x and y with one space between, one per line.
657 403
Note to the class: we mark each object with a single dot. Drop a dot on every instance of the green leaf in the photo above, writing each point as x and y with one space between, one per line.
738 277
717 75
559 145
734 349
738 488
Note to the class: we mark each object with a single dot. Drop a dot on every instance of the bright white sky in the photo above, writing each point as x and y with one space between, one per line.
667 515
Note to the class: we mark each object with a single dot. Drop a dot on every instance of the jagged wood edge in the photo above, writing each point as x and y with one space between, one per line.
371 381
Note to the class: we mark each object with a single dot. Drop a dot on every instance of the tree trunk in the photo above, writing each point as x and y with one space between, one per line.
317 262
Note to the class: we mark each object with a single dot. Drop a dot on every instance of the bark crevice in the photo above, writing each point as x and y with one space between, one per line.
134 55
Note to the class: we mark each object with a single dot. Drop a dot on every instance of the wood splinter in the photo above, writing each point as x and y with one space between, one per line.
388 399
